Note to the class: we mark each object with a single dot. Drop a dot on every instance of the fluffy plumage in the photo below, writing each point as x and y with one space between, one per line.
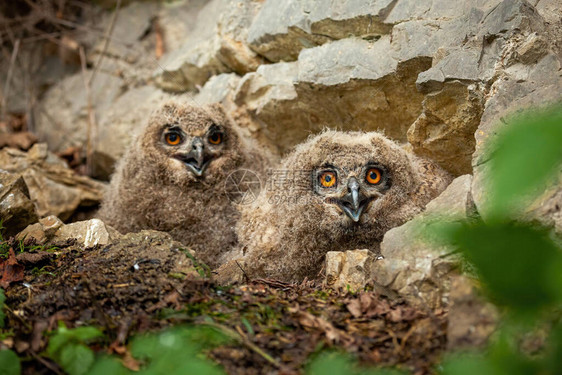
172 178
337 191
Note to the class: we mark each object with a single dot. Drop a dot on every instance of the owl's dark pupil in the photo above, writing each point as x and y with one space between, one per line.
328 178
173 137
214 137
373 175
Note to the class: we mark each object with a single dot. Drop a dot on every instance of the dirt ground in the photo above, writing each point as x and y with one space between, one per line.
145 282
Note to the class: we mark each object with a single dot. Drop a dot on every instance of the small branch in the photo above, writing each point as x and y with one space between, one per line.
107 38
9 78
245 341
91 114
51 366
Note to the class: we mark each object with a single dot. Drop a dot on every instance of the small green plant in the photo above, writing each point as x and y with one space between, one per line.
68 347
331 363
519 263
9 363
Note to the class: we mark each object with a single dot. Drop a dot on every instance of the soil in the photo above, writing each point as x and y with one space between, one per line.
145 282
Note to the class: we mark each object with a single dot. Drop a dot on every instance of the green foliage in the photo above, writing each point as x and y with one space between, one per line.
519 264
524 157
2 314
177 351
330 363
68 348
9 363
4 246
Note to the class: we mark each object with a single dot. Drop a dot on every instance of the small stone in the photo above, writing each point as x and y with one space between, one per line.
89 233
16 208
349 269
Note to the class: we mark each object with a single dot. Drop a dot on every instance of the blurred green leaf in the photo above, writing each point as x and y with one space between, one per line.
502 357
67 348
176 351
108 366
65 336
525 156
2 314
75 359
519 265
331 363
553 361
9 363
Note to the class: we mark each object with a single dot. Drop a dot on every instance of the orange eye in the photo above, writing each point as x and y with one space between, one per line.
373 176
215 138
173 138
328 179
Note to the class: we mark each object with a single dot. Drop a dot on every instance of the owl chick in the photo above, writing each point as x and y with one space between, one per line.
337 191
172 178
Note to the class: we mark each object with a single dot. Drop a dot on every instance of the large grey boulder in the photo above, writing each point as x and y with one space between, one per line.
416 266
283 28
122 120
62 117
521 87
215 45
350 84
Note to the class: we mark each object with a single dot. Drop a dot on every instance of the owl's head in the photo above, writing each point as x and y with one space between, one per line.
191 144
352 178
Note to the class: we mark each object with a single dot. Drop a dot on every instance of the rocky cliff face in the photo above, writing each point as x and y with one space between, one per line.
433 74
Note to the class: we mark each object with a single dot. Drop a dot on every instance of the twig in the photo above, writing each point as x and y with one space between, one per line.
91 114
22 321
107 38
244 340
244 272
54 368
9 78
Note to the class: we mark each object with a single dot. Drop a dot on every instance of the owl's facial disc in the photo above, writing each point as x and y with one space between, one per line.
354 202
197 154
197 159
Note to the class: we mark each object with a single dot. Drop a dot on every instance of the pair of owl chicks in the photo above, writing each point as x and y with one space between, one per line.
336 191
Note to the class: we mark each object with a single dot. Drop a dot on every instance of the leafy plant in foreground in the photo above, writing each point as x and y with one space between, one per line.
519 264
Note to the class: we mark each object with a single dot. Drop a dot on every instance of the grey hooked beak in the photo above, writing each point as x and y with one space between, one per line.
354 202
195 160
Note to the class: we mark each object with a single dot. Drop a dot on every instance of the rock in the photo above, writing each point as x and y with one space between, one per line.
62 116
87 233
21 140
520 87
54 189
449 115
130 52
42 231
348 270
16 208
177 20
472 319
351 84
218 89
405 10
283 28
119 124
415 266
216 45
